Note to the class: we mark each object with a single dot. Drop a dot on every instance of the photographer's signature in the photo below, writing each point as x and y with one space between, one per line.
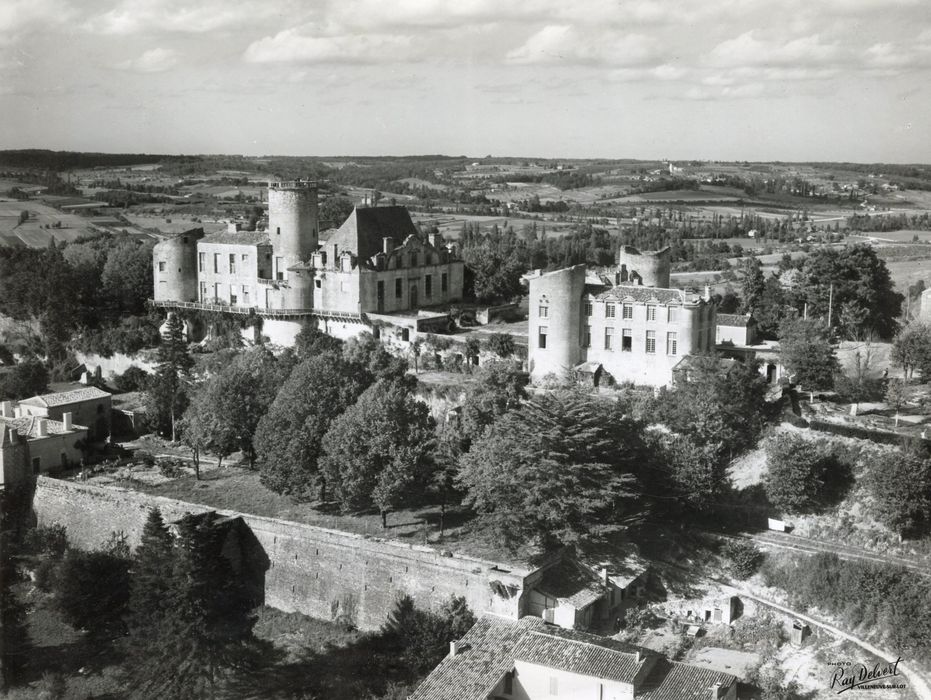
850 676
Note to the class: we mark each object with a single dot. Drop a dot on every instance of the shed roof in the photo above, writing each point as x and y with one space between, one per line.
572 583
28 426
739 320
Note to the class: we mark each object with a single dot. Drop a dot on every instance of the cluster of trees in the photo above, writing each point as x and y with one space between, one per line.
891 600
803 476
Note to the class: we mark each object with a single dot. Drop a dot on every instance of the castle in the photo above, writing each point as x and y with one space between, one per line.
374 266
627 322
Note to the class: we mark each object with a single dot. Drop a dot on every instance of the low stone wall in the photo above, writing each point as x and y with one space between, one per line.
315 571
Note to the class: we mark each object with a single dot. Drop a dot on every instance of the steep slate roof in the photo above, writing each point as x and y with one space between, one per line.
740 320
670 680
238 238
28 426
363 231
489 650
638 293
485 656
572 583
64 398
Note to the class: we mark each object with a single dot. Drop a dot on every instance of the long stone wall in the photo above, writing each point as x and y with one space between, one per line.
315 571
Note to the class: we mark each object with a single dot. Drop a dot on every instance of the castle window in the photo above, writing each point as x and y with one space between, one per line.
671 344
161 265
216 263
201 262
233 297
318 284
541 337
428 285
444 283
609 310
203 292
413 259
651 312
651 342
627 340
245 295
673 314
554 685
609 338
279 265
628 311
587 337
398 288
588 308
543 311
232 264
278 230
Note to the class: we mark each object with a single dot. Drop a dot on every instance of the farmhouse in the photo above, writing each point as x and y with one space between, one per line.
87 405
375 262
528 659
31 445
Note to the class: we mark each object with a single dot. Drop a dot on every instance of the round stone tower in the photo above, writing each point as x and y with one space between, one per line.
292 220
175 267
651 269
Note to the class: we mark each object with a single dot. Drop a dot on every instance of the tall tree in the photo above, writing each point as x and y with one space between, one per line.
15 645
911 349
802 476
753 285
499 388
900 484
377 452
807 353
553 472
288 437
167 393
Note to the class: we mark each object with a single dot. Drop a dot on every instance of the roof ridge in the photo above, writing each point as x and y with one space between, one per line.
591 644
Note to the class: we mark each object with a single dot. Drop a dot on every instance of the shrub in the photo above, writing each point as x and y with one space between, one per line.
804 476
170 469
133 379
501 344
744 558
48 539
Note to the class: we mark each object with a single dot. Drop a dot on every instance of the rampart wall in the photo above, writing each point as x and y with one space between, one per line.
315 571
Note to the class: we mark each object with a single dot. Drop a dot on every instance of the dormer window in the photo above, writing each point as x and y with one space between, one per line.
413 259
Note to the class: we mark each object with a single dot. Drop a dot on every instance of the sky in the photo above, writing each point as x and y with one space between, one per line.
791 80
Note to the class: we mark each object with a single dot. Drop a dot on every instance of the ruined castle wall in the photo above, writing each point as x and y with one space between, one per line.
318 572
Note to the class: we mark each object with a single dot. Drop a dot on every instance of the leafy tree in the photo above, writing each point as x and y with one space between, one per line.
127 277
911 349
558 470
697 472
312 341
858 277
807 353
896 393
492 275
716 405
803 476
288 438
167 393
15 645
771 308
93 590
335 210
753 286
133 379
371 360
26 379
376 453
900 484
744 558
499 387
501 344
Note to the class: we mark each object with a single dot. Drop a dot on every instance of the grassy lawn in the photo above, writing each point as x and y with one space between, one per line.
240 490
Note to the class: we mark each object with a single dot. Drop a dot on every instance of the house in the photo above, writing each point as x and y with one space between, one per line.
88 406
31 445
528 659
627 324
736 329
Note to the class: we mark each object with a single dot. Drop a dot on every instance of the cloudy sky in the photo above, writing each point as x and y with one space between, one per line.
709 79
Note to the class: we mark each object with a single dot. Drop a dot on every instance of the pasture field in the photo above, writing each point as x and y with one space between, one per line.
174 223
906 272
904 236
31 232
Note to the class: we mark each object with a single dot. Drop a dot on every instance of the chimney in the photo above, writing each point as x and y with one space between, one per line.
232 227
716 691
453 648
604 574
387 244
42 427
435 239
707 292
335 254
638 657
66 420
6 409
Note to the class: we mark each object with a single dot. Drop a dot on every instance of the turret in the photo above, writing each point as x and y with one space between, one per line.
650 269
292 220
175 267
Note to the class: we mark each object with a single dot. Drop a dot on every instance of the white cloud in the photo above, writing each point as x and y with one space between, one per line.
566 44
182 16
747 50
661 72
296 46
152 61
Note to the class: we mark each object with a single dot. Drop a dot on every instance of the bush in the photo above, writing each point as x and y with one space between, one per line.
804 476
146 457
133 379
744 558
51 540
501 344
46 575
170 469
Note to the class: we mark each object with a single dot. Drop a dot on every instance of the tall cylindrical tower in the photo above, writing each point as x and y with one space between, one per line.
292 220
175 267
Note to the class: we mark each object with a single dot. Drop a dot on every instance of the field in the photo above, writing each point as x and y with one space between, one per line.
33 232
